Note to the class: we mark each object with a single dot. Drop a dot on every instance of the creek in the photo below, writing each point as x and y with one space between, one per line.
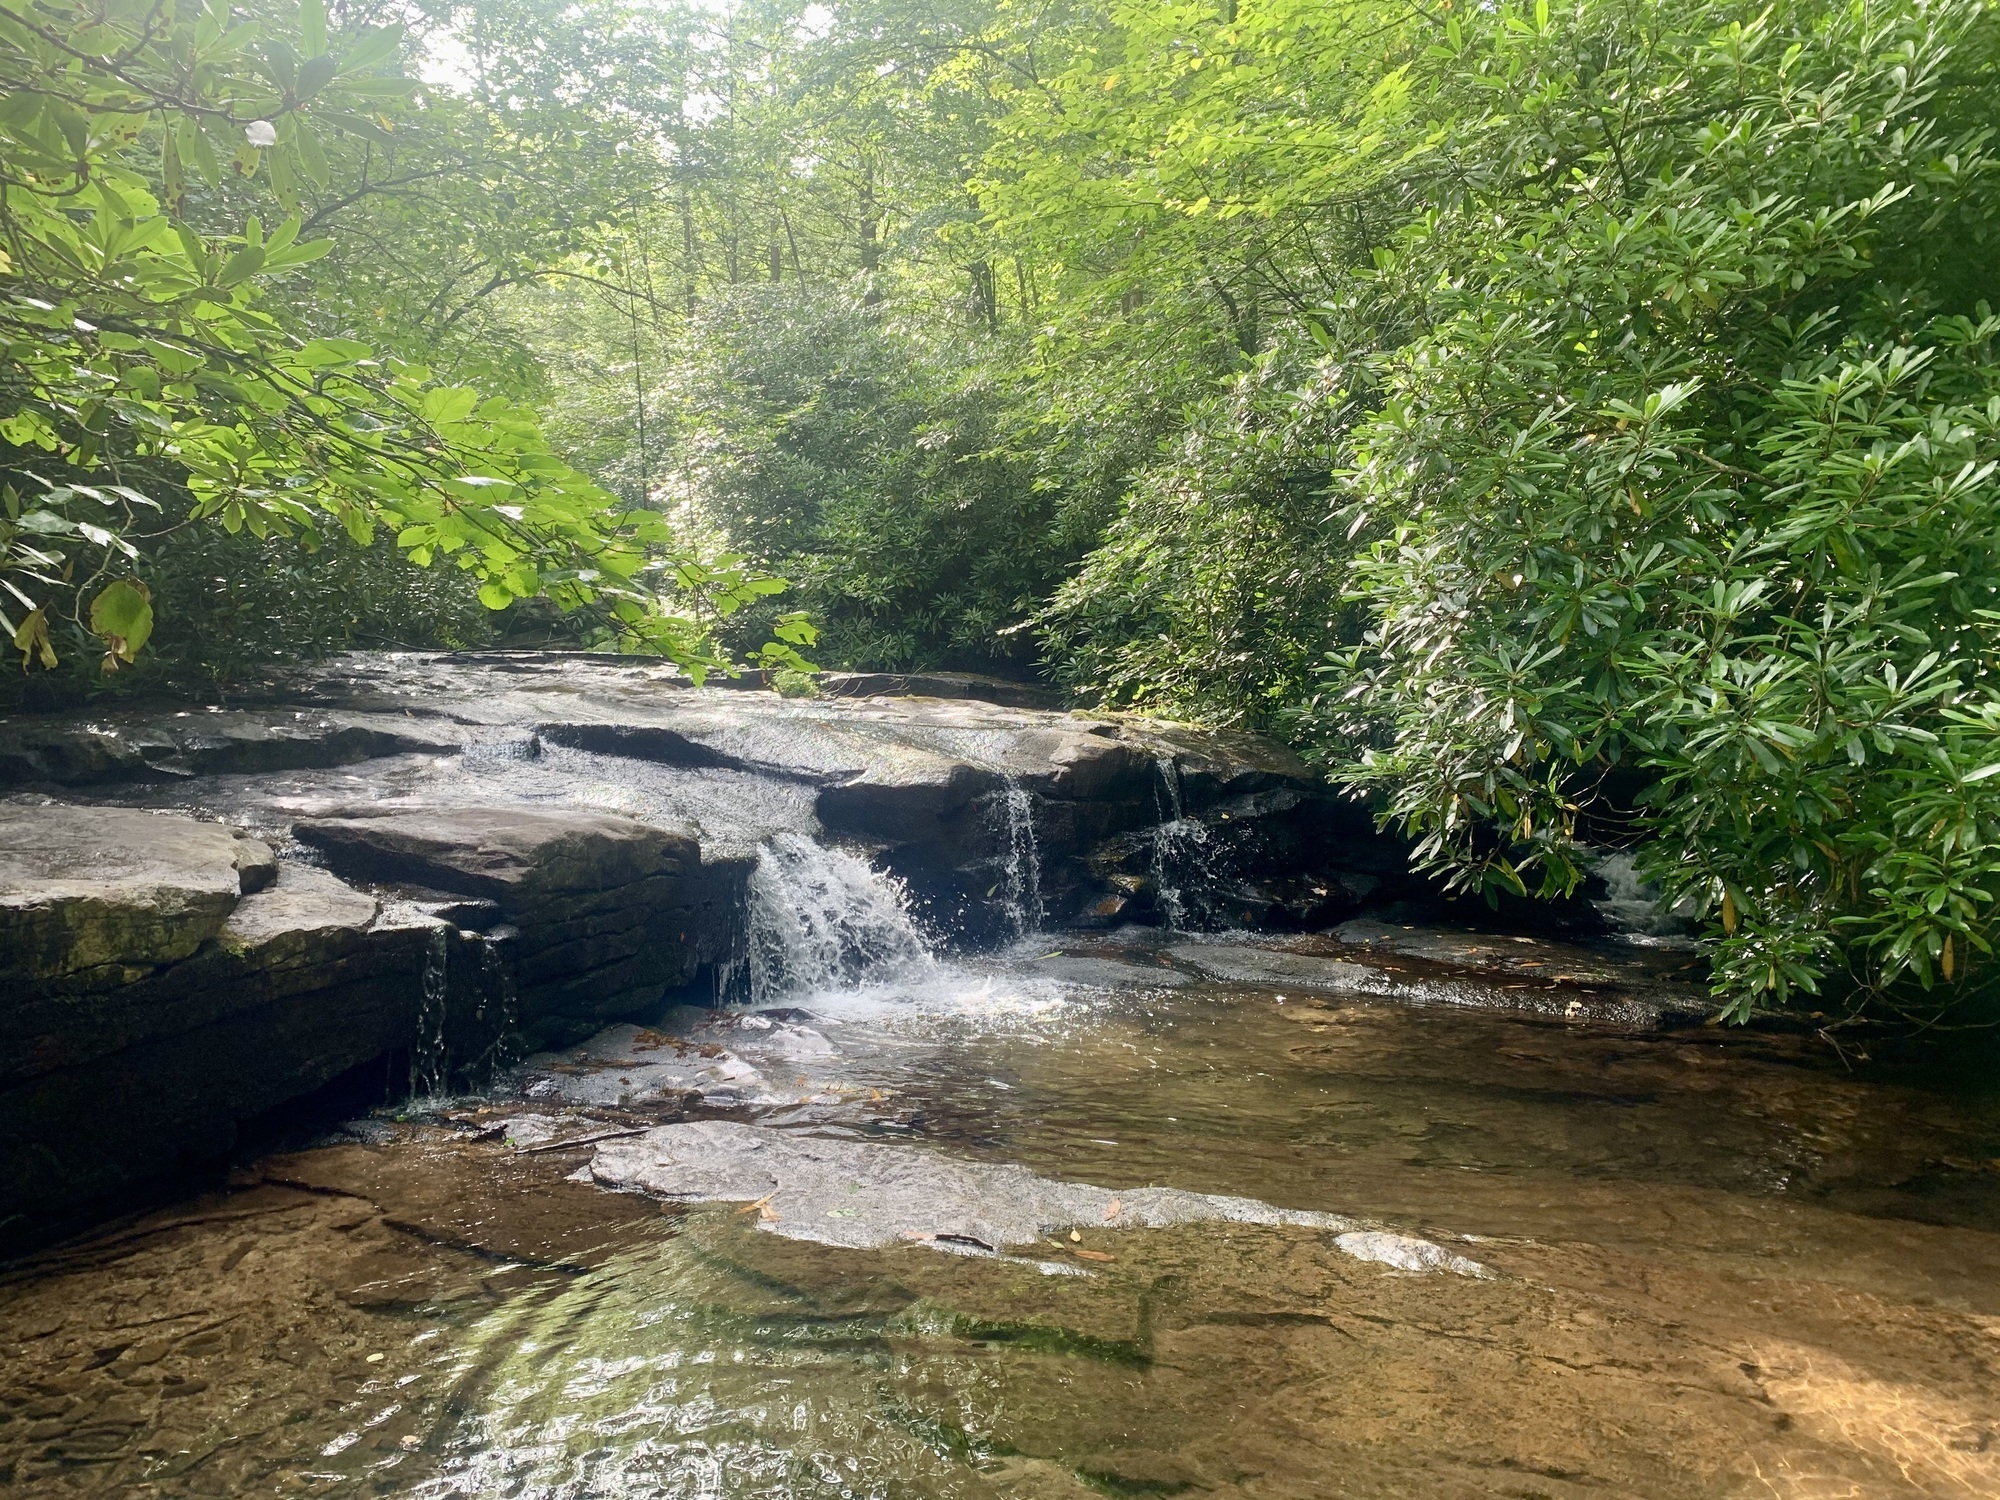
1077 1218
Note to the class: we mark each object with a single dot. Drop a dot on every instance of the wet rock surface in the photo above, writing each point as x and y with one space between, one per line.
861 1196
1449 969
178 742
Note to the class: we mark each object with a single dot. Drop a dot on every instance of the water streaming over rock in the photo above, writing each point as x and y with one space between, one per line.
496 1014
1182 862
1631 905
1022 873
821 917
427 1049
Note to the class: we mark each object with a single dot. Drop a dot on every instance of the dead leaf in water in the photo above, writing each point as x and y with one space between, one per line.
1093 1255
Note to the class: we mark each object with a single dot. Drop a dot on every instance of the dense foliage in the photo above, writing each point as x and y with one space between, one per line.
1573 424
1641 380
149 360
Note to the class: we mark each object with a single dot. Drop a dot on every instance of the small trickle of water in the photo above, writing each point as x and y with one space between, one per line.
1181 856
427 1054
820 917
497 1014
1022 876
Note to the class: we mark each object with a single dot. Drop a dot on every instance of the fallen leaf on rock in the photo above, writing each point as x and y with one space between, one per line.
1113 1211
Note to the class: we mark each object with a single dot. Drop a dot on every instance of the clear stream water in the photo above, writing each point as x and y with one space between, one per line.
1706 1264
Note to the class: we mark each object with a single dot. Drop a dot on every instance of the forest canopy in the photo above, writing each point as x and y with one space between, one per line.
1574 426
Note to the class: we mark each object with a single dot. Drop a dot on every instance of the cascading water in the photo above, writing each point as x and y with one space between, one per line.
427 1051
821 917
1631 906
1021 878
1180 850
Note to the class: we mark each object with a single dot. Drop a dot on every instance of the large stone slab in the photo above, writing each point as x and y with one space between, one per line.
603 914
514 855
934 784
104 894
112 1090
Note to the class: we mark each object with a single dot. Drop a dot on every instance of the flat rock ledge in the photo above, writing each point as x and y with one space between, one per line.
164 981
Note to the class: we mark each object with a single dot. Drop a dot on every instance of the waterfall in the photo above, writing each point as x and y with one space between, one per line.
1181 856
1630 906
1022 875
821 917
427 1056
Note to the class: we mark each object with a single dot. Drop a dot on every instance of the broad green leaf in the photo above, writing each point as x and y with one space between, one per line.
122 617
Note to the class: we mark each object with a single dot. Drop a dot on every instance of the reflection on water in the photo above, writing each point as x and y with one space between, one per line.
1724 1266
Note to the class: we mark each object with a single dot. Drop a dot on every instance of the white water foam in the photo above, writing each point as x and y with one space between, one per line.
821 919
1632 906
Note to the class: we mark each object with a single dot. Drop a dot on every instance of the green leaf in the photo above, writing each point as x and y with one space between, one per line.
315 73
312 26
122 617
371 47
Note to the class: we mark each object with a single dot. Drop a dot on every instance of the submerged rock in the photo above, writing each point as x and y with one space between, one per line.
1109 973
1456 969
1244 964
862 1195
1504 954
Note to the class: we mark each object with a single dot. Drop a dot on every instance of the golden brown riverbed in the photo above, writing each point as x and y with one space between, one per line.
1722 1266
